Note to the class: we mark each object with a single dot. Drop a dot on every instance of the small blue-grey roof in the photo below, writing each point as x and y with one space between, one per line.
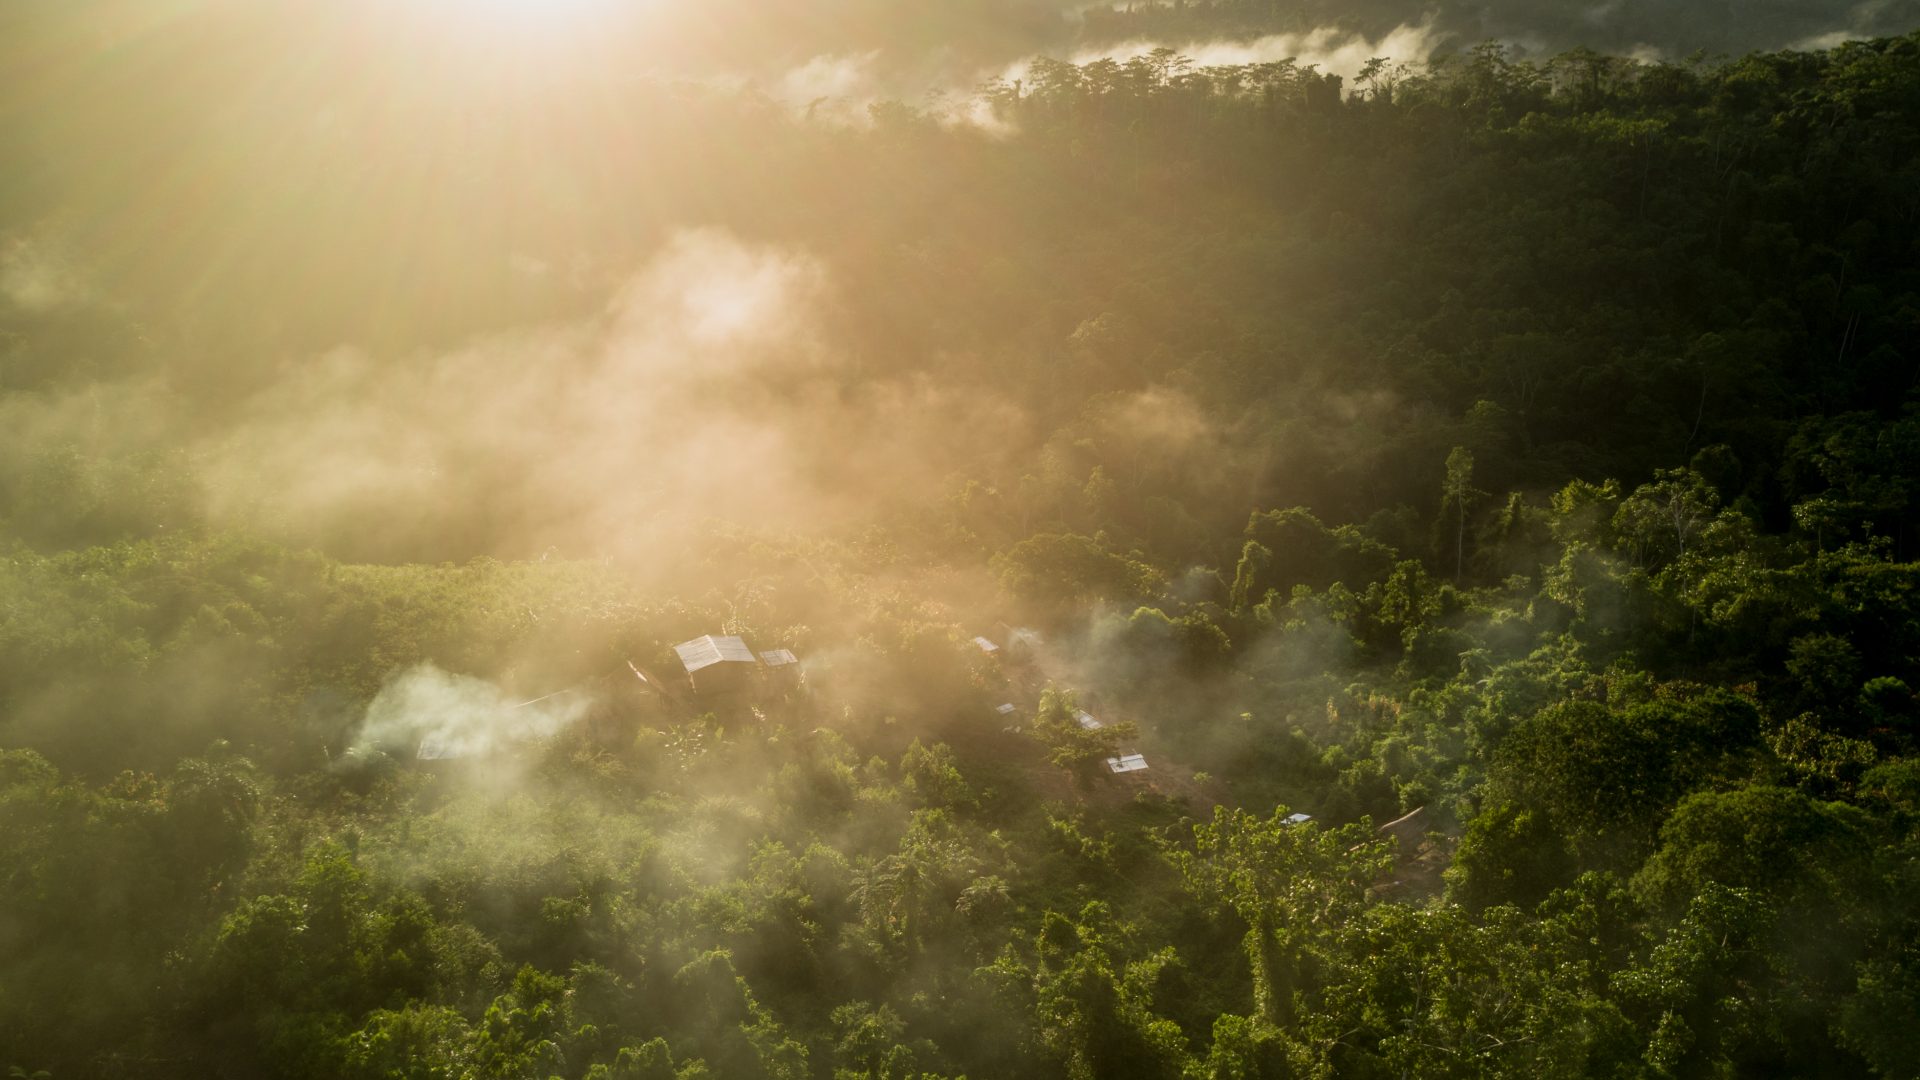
704 652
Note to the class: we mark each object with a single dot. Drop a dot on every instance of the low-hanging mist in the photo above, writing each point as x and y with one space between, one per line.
627 542
706 390
848 87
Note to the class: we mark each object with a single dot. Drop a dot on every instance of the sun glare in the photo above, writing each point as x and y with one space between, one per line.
526 16
540 9
549 33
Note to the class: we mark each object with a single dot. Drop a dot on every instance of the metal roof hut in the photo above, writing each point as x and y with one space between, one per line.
718 666
782 667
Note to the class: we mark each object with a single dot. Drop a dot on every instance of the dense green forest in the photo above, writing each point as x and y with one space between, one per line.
1524 452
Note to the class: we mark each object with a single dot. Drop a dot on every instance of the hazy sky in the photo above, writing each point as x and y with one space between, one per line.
355 239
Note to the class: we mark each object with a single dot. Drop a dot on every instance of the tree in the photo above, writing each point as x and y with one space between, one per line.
1695 990
1073 570
1881 1020
1290 884
1459 494
872 1045
1248 575
1292 547
933 776
1660 519
1070 744
914 898
419 1042
1604 779
1432 991
1092 1007
1734 838
651 1060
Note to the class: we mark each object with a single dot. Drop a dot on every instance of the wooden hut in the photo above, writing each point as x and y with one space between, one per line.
719 667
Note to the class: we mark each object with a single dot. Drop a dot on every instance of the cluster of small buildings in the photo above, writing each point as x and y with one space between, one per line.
723 671
720 672
1016 642
723 666
1021 642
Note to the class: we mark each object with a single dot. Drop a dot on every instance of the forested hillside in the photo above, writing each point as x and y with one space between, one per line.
1521 454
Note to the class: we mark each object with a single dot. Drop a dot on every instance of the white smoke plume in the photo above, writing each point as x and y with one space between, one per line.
456 717
36 277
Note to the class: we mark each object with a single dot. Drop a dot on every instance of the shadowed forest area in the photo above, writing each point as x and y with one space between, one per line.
1482 487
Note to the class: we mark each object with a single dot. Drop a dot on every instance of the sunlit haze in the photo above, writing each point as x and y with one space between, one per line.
926 539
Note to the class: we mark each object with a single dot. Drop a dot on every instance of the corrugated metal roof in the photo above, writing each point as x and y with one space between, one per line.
704 652
1299 819
985 645
1128 763
1004 710
778 657
1087 721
